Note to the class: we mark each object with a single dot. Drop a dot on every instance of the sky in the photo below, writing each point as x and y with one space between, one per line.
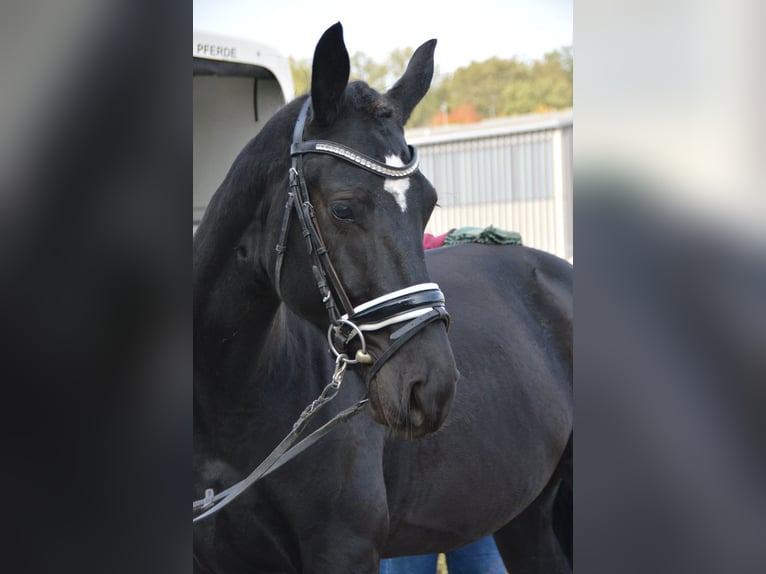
466 32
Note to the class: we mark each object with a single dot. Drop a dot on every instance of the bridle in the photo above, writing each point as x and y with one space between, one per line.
416 306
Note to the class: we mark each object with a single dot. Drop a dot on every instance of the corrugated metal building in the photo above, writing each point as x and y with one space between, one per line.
512 173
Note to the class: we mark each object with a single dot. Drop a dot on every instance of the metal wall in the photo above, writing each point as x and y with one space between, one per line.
514 174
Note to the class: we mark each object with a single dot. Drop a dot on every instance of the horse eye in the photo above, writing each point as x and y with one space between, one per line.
342 211
241 252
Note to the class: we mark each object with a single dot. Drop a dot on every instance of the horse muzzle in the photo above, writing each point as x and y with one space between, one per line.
412 392
411 386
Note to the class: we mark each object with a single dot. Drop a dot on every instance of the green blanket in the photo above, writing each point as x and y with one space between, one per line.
482 235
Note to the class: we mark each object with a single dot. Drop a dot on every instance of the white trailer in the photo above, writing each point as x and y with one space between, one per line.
238 84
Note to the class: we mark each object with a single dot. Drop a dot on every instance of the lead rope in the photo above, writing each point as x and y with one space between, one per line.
288 448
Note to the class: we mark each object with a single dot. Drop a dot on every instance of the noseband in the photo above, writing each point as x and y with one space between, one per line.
416 306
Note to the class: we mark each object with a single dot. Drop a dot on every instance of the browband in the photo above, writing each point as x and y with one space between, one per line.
357 158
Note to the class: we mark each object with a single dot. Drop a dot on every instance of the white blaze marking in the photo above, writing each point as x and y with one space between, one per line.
397 187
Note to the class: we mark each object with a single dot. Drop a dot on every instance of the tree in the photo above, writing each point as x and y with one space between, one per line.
379 76
493 88
504 87
301 73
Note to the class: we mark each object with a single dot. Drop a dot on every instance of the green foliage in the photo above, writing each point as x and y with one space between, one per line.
380 76
495 87
430 106
498 87
301 72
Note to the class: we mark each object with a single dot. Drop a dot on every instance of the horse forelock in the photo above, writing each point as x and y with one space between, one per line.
382 108
362 98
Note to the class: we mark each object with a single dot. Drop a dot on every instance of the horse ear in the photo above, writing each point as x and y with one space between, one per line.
414 84
329 75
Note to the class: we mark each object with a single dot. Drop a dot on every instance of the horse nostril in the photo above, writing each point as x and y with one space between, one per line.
415 411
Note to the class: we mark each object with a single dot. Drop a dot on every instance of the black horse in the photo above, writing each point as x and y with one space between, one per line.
430 464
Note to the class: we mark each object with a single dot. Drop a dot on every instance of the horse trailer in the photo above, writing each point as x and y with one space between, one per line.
238 84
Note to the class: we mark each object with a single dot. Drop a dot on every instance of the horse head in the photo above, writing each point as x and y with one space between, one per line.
344 202
372 221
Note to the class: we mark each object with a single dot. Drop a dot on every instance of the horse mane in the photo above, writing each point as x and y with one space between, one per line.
288 336
366 99
263 161
240 197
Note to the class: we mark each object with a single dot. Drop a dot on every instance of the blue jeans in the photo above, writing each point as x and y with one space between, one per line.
481 557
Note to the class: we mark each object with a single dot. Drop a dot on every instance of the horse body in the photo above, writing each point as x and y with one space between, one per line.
380 494
495 453
402 477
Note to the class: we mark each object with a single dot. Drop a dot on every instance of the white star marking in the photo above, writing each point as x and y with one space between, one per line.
397 187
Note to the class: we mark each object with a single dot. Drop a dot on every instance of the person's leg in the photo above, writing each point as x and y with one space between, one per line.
423 564
481 557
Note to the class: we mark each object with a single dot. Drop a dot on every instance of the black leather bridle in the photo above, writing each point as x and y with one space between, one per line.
415 306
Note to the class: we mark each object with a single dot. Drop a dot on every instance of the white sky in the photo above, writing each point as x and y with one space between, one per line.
468 31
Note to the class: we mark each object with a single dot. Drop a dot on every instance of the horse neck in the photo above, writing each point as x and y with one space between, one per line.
257 374
234 299
235 314
244 338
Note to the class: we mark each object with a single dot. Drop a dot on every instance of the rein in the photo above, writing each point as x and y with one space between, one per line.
287 449
416 306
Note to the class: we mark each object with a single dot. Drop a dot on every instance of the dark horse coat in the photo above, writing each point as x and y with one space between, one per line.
434 462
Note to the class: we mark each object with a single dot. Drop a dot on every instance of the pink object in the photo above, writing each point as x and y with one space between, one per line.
433 241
